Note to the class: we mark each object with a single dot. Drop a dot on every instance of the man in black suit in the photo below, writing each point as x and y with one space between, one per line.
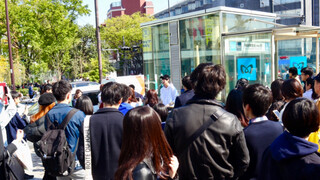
187 95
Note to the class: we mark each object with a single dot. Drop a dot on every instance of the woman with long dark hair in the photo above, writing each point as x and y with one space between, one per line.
234 105
151 98
145 152
278 100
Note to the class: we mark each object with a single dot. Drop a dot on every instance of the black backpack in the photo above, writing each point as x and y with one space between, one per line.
57 158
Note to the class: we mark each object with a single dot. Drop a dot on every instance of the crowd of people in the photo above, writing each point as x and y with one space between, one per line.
260 133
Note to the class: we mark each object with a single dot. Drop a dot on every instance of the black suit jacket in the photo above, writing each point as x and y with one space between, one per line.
183 98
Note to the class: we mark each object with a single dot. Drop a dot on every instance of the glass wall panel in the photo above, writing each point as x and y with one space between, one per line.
148 63
249 57
199 42
240 23
161 56
156 54
298 53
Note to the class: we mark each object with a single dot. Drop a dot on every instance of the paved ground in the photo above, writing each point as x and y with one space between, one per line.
38 170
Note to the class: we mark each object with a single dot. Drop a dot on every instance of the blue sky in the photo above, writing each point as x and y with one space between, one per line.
104 5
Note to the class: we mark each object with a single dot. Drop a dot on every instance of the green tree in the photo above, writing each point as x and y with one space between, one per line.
84 49
92 69
42 32
125 28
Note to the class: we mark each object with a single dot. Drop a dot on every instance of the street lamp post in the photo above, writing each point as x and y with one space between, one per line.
9 46
98 40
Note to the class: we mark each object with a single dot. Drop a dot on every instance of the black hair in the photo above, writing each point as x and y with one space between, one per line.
277 105
111 93
301 117
310 81
47 87
208 80
276 90
291 88
242 83
186 82
259 99
60 89
307 71
132 86
234 105
293 71
126 92
84 103
162 110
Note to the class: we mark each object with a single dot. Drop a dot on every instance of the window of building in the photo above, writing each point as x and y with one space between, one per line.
178 11
184 8
192 6
285 1
199 3
199 42
207 1
249 57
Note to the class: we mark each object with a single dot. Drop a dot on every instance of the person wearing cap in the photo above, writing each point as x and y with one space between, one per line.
35 130
314 137
168 92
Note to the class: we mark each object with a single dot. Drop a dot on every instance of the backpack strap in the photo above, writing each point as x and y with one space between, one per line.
215 116
66 120
48 122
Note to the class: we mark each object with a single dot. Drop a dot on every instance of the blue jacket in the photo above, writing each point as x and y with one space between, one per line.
30 90
58 113
124 108
290 157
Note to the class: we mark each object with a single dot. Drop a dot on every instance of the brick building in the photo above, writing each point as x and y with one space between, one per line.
129 7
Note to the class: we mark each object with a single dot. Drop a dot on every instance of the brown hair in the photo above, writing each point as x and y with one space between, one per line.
76 95
208 80
152 98
291 89
132 98
142 138
43 110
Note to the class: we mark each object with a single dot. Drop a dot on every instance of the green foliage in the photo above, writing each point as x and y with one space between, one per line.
43 32
92 68
127 27
23 91
84 49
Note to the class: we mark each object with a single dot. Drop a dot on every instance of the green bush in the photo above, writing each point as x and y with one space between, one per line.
23 91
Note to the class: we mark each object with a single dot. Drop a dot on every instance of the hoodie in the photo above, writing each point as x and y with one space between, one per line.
290 157
289 146
124 108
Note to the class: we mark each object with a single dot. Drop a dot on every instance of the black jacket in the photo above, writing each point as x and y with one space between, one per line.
144 171
106 137
4 154
183 98
219 153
